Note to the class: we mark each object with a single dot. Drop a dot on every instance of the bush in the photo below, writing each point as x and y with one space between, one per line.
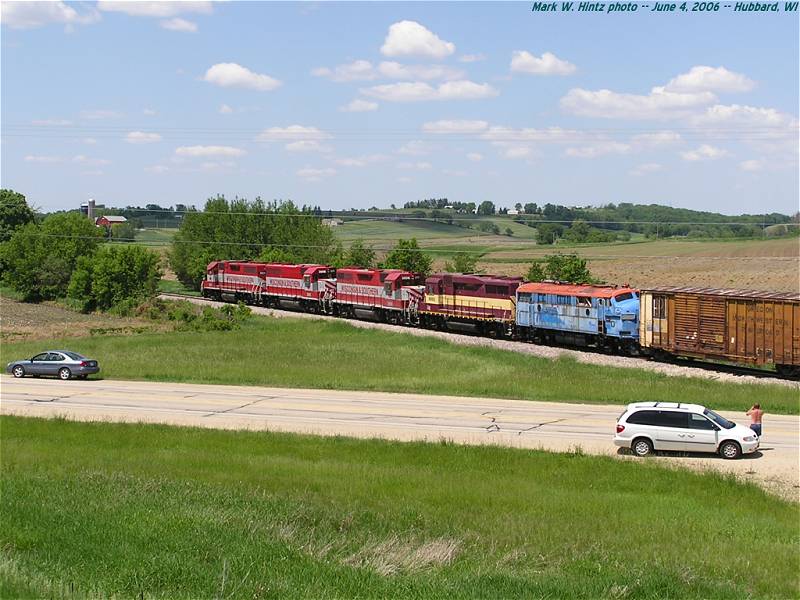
39 259
462 263
115 276
187 316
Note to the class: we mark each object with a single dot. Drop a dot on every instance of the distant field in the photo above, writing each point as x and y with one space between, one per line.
336 355
110 510
155 235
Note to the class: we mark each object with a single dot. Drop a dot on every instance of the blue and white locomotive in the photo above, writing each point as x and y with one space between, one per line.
580 315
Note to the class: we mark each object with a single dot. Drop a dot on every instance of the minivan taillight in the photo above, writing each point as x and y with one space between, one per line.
620 428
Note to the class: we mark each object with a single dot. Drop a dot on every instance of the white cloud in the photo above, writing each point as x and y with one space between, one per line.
597 149
178 24
235 75
404 180
416 166
415 148
225 109
310 174
419 91
360 161
363 70
225 165
359 105
90 162
750 116
292 132
454 173
409 38
475 157
454 126
29 15
358 70
156 169
551 134
395 70
523 61
752 165
43 159
646 168
658 138
658 104
89 141
51 122
517 152
97 115
154 9
471 58
142 137
149 112
92 172
194 151
306 146
704 152
709 79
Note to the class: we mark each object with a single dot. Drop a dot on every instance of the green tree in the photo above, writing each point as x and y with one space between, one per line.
408 256
125 232
115 276
561 267
39 258
579 232
462 263
14 213
359 255
548 233
243 230
486 208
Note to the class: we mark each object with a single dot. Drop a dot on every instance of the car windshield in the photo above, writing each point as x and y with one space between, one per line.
73 355
719 420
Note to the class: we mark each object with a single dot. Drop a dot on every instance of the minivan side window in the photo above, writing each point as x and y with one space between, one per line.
644 417
699 422
673 419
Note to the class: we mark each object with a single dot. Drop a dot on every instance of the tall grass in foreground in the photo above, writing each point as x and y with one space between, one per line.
336 355
100 510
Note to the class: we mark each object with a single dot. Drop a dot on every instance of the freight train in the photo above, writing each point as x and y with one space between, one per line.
758 329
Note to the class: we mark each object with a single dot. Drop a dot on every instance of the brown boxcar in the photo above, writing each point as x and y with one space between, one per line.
743 326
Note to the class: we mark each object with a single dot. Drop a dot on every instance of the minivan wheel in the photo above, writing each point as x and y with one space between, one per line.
64 373
18 371
730 450
642 447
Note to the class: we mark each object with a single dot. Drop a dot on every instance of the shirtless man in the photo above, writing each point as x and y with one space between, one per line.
756 414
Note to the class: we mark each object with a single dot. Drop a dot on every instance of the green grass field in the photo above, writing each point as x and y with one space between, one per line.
95 510
336 355
170 286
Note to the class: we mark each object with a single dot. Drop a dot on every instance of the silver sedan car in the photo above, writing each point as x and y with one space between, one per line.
59 363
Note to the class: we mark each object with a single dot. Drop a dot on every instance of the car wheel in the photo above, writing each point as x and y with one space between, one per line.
642 447
730 450
64 373
18 371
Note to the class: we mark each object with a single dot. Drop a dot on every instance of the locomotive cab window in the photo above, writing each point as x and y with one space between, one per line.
623 297
524 297
307 280
387 288
584 301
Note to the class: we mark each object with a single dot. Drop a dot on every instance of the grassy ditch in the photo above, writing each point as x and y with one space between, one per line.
119 510
336 355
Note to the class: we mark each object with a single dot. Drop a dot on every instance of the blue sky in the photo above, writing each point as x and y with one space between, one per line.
358 104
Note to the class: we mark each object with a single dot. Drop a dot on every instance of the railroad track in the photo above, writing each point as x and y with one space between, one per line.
682 362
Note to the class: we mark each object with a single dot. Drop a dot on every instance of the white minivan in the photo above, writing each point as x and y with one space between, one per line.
648 426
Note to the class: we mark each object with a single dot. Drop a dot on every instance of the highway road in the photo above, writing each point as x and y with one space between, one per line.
525 424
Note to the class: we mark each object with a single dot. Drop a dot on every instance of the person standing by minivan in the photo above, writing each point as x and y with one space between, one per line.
756 415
